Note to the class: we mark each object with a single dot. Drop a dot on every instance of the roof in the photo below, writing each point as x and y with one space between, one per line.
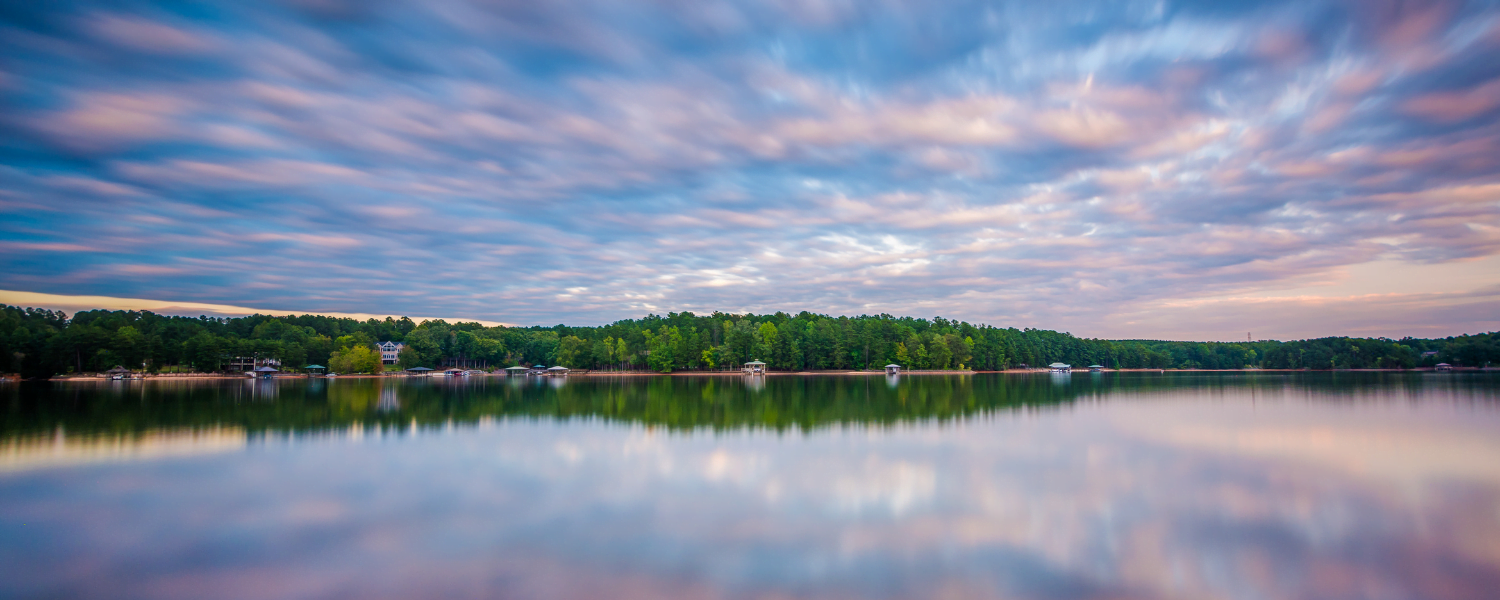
265 370
755 362
1443 365
515 368
893 365
558 369
419 369
1096 366
314 367
1055 365
118 369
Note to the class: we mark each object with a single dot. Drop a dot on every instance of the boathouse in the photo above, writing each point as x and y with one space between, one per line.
1058 367
893 369
1443 367
558 371
516 370
755 367
1096 368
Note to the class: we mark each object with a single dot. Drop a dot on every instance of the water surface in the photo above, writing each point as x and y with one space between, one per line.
1305 485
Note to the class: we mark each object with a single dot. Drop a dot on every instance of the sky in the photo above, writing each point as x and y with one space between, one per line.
1173 170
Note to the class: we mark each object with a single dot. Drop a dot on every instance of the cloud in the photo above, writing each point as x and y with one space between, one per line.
1449 107
148 36
1019 167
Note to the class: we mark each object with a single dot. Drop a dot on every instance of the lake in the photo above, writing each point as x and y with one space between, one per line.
1117 485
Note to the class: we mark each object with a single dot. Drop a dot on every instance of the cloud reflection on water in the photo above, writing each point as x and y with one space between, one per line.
1223 492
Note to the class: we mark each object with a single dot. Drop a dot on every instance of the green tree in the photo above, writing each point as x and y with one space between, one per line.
359 359
572 351
409 358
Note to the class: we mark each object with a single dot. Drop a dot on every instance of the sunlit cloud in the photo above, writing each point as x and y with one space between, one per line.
1053 166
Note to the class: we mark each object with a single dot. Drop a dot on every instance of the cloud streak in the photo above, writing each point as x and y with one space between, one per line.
1058 166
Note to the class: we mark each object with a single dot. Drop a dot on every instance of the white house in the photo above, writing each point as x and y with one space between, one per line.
390 352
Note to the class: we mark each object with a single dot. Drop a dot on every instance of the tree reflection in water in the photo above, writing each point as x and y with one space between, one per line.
679 402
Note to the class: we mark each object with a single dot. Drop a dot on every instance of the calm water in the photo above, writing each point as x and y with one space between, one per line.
1243 486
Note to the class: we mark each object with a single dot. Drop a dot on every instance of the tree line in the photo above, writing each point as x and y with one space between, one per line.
42 343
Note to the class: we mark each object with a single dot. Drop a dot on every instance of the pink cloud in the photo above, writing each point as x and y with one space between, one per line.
1358 82
102 120
1084 128
149 36
307 239
1451 107
49 247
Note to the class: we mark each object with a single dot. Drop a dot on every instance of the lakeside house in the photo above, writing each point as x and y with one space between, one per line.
893 369
755 367
1443 367
558 371
1058 367
390 352
1096 368
418 371
516 370
319 368
265 372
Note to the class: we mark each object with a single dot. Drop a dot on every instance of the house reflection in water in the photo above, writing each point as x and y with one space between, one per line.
389 402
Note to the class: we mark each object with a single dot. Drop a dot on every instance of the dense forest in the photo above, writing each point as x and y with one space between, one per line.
43 343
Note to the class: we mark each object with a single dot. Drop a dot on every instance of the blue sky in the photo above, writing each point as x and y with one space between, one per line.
1190 170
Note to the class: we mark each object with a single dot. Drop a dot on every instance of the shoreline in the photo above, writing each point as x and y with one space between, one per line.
219 376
